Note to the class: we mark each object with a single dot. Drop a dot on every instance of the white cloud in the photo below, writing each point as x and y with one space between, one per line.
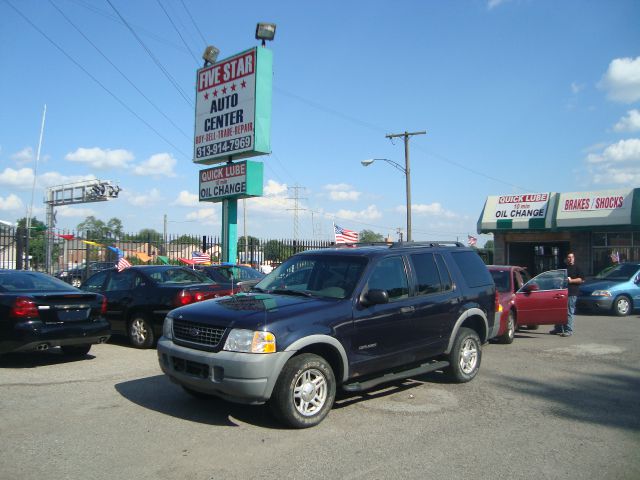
623 151
369 213
22 178
274 188
101 158
24 156
622 80
576 87
618 164
160 164
341 192
491 4
629 123
50 179
204 216
151 198
431 210
186 199
74 212
11 203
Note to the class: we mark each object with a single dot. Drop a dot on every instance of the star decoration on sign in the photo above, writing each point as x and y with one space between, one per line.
215 92
206 96
224 90
233 87
243 84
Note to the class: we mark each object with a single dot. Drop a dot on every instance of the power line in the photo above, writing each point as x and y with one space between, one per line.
204 42
120 71
177 31
77 64
153 57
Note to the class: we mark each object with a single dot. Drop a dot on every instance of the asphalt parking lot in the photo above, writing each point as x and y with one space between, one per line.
543 407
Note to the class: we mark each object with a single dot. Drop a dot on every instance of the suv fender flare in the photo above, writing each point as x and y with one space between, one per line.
322 339
461 319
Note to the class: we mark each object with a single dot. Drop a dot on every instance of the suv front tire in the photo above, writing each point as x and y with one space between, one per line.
465 356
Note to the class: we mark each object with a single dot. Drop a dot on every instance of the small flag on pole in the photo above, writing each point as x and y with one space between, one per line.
343 235
199 257
122 264
471 240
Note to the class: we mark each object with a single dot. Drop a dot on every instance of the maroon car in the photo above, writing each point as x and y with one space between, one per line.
541 300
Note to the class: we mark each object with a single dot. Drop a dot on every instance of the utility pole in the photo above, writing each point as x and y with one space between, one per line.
296 207
407 169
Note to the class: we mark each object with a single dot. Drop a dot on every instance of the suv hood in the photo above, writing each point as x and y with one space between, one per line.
251 310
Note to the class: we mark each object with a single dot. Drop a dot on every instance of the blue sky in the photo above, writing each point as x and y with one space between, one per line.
516 96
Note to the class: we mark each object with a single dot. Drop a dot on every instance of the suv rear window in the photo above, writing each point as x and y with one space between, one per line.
473 269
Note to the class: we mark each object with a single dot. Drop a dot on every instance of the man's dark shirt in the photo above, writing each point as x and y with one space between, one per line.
574 271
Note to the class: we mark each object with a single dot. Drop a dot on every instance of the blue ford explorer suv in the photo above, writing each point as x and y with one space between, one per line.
349 318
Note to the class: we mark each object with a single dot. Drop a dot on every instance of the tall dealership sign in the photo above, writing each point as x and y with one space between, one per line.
233 108
233 122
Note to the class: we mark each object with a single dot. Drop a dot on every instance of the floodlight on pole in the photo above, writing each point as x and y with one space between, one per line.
210 55
265 32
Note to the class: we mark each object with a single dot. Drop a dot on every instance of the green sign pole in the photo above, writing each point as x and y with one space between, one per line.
229 230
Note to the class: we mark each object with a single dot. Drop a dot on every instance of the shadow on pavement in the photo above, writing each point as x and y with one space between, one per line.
53 356
602 399
159 394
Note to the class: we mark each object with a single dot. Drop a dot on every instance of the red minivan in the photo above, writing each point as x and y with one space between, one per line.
541 300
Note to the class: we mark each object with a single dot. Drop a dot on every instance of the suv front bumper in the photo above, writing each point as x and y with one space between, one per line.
237 377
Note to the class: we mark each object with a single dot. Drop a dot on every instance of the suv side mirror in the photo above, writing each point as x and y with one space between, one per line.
375 297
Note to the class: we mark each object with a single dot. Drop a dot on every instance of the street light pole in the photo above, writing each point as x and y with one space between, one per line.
407 173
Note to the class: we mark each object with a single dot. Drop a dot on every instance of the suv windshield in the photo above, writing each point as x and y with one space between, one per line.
619 273
318 275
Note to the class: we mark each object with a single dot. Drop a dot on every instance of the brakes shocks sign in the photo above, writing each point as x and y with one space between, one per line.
233 108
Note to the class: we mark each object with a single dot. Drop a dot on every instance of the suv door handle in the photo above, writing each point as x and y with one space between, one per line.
407 309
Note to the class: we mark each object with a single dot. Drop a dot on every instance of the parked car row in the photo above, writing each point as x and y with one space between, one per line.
326 319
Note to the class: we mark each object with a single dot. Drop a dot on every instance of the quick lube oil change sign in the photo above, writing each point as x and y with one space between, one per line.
233 108
233 180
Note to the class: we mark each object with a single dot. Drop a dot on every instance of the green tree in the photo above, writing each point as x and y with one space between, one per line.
276 251
489 245
367 236
37 243
186 240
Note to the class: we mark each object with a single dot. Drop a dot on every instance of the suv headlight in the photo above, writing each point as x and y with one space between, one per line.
601 293
167 328
249 341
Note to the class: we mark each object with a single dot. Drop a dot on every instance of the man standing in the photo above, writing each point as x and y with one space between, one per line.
575 278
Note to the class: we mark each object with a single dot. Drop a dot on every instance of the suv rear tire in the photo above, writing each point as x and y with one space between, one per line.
465 356
304 392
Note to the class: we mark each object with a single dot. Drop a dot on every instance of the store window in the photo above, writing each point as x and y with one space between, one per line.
614 247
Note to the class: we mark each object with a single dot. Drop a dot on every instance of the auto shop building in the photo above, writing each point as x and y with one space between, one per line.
538 230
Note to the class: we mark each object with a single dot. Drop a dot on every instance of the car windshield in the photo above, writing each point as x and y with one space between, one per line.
619 273
179 275
502 280
16 281
318 275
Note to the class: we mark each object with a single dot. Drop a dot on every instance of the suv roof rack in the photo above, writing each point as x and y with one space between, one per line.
434 243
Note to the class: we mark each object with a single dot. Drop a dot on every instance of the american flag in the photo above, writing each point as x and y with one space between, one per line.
199 257
345 236
122 264
471 240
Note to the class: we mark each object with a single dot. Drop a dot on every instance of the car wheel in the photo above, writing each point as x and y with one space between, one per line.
75 350
507 336
76 282
141 332
305 391
465 356
622 306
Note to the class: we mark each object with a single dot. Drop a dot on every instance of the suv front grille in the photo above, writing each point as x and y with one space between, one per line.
197 333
